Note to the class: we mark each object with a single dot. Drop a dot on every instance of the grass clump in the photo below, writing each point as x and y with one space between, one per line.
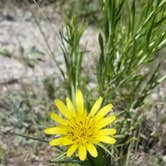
131 34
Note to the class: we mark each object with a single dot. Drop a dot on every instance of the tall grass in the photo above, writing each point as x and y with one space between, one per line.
72 53
131 35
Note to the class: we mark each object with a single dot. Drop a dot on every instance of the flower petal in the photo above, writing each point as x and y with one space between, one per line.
107 131
104 111
55 130
71 150
82 152
57 118
61 141
62 108
105 121
107 139
55 142
96 106
92 150
79 101
70 106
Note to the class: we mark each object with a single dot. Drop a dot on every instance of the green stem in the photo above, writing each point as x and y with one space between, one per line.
21 135
27 137
91 162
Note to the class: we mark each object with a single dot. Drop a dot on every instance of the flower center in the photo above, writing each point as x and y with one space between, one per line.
81 130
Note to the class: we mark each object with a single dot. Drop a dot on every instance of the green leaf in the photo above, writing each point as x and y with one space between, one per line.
6 53
36 52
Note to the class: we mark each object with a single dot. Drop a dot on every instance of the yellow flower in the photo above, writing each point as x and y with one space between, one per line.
78 129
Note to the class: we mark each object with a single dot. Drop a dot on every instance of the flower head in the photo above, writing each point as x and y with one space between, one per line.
81 130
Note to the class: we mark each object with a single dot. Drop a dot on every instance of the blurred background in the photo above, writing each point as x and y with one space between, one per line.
30 79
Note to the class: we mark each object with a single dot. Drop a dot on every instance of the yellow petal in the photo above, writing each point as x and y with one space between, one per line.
82 152
62 108
70 106
92 150
55 142
57 118
55 130
96 106
107 139
79 101
104 111
71 150
107 132
105 121
61 141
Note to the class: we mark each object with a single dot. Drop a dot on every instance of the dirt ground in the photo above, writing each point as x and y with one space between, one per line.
25 57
